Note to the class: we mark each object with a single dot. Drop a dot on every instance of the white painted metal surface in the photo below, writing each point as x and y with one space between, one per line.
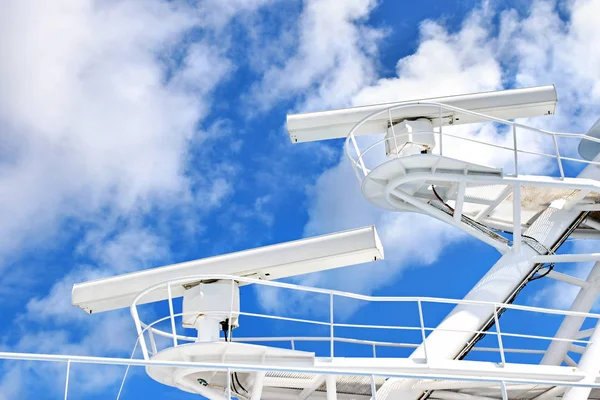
270 262
375 362
465 371
331 387
505 104
590 150
590 365
571 325
540 211
497 285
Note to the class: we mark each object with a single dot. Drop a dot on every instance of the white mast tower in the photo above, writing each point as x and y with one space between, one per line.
420 173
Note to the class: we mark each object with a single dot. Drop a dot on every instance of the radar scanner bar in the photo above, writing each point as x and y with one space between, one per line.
504 104
270 262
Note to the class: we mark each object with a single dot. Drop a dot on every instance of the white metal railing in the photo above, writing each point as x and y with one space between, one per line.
358 158
572 376
151 329
572 379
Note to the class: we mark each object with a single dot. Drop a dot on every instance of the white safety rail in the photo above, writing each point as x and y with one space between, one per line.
403 333
147 331
491 370
559 146
443 378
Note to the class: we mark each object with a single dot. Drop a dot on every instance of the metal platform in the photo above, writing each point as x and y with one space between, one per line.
280 371
454 185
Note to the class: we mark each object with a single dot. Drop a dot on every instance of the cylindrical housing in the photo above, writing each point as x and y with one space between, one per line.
208 329
410 137
206 305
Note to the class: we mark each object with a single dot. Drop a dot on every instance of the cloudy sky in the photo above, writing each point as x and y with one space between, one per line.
135 134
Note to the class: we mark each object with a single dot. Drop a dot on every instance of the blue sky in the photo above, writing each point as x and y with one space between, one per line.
138 134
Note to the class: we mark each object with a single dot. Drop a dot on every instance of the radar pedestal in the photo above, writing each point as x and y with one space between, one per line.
410 137
208 307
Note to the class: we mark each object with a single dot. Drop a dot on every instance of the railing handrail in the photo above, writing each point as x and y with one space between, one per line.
143 327
358 162
356 296
369 342
340 325
573 379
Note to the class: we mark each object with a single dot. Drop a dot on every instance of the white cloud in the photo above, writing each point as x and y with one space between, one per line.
443 64
52 325
11 383
129 250
216 14
89 120
547 50
99 108
332 61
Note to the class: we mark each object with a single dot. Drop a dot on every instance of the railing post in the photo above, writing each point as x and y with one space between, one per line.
373 388
330 385
228 383
460 200
138 326
503 389
152 341
127 371
331 325
172 314
422 322
441 134
571 324
358 155
393 134
499 335
589 364
374 351
67 379
558 159
517 217
515 149
259 381
231 310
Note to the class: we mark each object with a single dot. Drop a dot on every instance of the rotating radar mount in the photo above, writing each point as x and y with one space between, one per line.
210 289
463 160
